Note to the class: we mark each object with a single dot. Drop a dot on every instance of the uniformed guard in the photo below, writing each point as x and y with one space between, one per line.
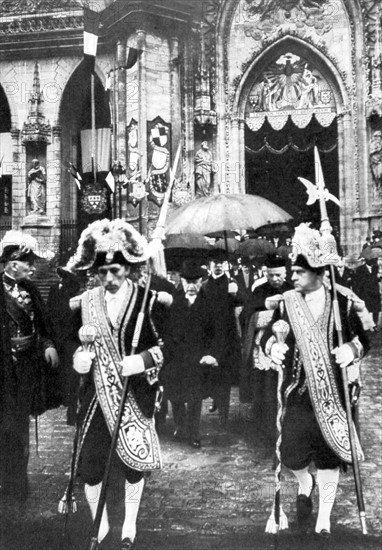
25 346
111 248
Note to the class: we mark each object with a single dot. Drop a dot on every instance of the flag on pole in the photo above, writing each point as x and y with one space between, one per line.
110 181
91 28
76 175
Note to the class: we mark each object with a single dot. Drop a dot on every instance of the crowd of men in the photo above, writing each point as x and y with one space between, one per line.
191 337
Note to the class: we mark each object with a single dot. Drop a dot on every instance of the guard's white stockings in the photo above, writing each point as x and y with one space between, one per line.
327 481
305 481
133 494
92 493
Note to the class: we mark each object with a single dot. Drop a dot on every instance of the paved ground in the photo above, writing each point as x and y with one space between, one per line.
218 497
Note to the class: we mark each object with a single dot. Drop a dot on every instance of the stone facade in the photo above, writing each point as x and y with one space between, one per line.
203 68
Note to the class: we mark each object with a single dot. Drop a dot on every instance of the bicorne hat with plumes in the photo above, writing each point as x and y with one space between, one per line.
313 249
17 245
106 242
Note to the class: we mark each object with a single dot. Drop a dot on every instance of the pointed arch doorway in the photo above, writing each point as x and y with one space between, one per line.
291 106
75 118
275 159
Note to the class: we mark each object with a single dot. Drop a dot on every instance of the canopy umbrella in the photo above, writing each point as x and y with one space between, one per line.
230 245
284 251
224 213
370 253
179 247
256 248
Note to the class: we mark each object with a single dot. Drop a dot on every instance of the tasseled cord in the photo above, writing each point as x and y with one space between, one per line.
65 507
278 521
157 259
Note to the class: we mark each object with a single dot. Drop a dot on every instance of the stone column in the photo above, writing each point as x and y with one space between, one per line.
241 144
19 192
121 122
188 111
175 93
54 193
143 208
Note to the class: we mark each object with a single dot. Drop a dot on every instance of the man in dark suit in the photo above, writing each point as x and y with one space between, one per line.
188 360
366 286
222 294
344 275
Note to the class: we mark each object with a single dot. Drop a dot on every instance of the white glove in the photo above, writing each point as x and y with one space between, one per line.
354 372
344 355
209 361
232 288
51 357
132 364
82 361
278 352
165 298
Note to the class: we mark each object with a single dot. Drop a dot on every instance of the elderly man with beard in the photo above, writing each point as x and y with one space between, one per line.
258 383
188 359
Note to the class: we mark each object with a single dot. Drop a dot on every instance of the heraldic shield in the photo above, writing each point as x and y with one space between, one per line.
137 443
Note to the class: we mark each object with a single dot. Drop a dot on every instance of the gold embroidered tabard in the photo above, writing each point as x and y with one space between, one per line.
137 443
313 346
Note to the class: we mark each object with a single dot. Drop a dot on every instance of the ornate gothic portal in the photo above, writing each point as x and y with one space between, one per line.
290 109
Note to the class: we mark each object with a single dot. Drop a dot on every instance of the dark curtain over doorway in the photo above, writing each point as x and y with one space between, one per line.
275 159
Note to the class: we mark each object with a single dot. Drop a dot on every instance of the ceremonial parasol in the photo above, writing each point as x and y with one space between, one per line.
255 248
225 212
284 250
230 245
371 253
178 247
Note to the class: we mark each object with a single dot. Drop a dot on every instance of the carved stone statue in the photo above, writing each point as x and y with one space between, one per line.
204 170
36 187
376 157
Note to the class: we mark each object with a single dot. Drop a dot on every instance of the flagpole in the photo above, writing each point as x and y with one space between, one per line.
114 135
93 132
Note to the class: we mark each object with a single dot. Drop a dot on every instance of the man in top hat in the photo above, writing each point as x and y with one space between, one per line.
222 295
111 248
314 426
188 359
25 344
258 382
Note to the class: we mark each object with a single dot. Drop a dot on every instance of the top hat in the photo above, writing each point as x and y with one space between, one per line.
191 269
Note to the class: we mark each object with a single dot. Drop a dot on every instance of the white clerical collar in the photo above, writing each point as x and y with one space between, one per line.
217 276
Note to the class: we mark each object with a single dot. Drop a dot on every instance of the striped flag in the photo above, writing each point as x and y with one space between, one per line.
91 28
76 175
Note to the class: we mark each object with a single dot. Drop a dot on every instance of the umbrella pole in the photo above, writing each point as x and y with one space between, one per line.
226 251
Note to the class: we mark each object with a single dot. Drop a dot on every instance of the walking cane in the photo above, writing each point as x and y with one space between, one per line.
87 335
277 520
102 499
352 438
